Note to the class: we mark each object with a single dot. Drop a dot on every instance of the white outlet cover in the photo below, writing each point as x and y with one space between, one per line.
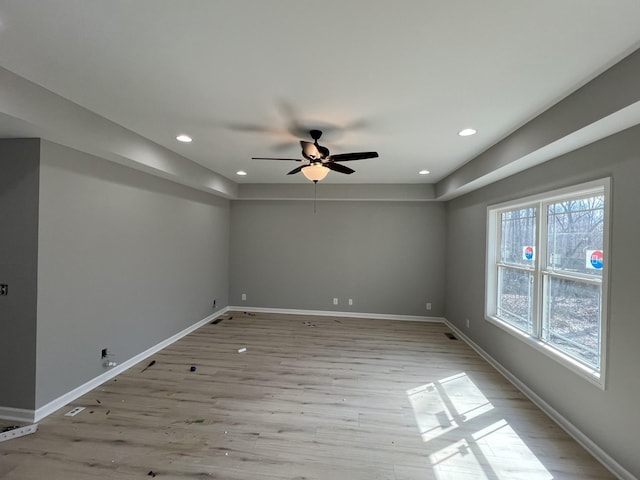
74 412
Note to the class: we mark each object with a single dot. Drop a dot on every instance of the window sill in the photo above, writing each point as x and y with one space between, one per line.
593 376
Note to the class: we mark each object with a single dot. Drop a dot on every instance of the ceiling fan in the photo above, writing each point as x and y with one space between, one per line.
319 160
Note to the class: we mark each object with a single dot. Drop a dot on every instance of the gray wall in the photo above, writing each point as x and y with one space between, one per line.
387 256
126 260
610 418
19 164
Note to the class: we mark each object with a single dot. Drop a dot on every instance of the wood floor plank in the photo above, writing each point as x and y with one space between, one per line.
312 397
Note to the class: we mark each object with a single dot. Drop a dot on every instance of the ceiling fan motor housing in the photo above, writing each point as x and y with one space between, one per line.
315 134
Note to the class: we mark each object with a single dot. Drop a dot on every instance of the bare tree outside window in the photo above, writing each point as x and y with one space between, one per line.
517 258
571 318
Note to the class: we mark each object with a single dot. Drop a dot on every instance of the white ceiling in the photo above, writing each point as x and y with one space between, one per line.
248 77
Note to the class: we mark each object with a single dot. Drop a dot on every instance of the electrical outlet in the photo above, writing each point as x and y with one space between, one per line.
467 323
4 289
244 297
335 301
351 301
428 305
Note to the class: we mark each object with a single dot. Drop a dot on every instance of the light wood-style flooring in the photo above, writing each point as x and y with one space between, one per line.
332 398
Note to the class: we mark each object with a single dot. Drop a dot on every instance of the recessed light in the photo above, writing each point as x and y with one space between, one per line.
242 173
467 132
184 138
424 172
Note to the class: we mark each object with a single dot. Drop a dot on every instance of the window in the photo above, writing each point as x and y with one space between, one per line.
547 271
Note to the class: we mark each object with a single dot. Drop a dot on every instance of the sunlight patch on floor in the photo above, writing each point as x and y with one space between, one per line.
467 437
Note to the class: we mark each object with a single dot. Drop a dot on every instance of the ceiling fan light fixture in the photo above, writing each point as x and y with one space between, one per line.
315 172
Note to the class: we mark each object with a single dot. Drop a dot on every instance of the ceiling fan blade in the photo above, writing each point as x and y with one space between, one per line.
287 159
296 170
310 151
336 167
344 157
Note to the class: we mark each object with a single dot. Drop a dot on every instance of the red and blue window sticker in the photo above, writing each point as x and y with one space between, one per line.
528 252
594 259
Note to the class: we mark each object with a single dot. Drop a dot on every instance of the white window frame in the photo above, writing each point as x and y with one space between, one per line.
540 201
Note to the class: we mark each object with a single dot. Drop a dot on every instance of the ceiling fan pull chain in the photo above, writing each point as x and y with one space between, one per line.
315 194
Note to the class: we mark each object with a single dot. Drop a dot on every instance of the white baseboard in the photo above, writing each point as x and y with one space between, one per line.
574 432
329 313
21 415
33 416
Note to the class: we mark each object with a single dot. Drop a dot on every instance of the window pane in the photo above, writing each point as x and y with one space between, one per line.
571 319
518 236
515 295
575 235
